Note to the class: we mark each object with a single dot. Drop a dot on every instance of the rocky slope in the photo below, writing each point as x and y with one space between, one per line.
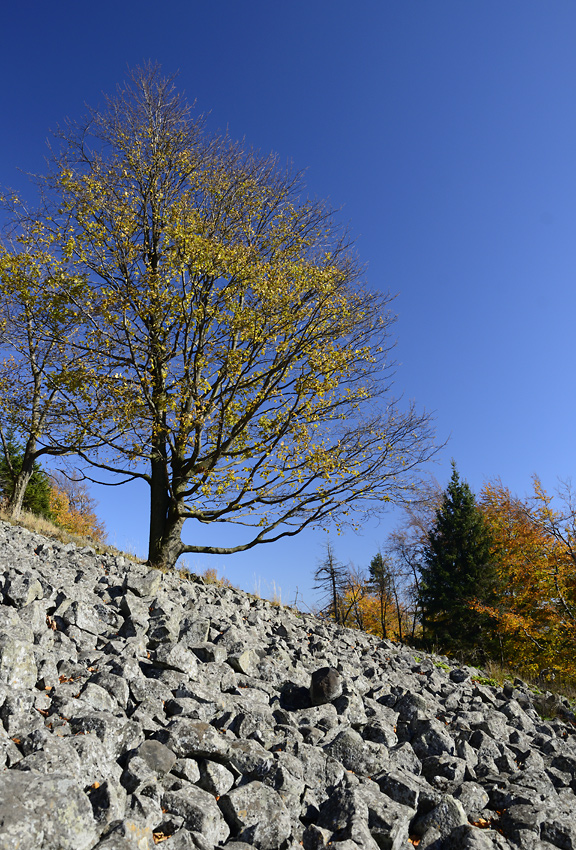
139 709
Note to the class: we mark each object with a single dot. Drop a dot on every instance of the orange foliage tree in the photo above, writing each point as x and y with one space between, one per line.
534 546
73 508
378 611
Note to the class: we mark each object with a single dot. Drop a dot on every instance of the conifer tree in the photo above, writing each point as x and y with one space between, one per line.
458 572
381 584
36 498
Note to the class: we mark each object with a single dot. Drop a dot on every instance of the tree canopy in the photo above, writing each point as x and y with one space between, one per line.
73 508
533 545
230 355
39 367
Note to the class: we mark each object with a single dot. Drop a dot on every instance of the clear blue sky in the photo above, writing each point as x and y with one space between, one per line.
446 133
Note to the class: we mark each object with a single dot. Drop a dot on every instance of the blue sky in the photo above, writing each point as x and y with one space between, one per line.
444 131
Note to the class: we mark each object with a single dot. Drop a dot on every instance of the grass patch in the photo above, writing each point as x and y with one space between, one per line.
486 680
563 686
210 576
43 526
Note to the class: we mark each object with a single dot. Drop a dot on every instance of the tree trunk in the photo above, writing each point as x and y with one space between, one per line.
335 600
22 481
165 541
169 548
399 616
383 616
165 546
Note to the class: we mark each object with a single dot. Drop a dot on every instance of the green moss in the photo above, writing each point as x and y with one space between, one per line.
484 680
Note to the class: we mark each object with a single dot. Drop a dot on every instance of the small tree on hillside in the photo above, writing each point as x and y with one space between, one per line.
458 571
330 577
404 554
354 597
73 508
381 586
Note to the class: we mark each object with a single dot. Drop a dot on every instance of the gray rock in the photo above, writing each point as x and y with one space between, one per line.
245 662
138 773
194 739
473 798
194 631
468 837
388 820
98 764
326 685
146 688
44 812
95 619
355 754
17 663
430 738
22 589
402 788
97 697
108 800
444 817
411 706
404 758
215 778
144 585
175 656
346 814
249 758
159 758
206 651
449 768
54 755
459 675
187 769
257 815
560 830
115 685
520 820
199 810
117 734
126 834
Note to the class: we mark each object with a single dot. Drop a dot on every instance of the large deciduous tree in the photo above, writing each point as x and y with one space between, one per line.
243 368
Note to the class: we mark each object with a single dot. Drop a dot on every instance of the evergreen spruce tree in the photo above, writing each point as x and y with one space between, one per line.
37 497
457 570
381 584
